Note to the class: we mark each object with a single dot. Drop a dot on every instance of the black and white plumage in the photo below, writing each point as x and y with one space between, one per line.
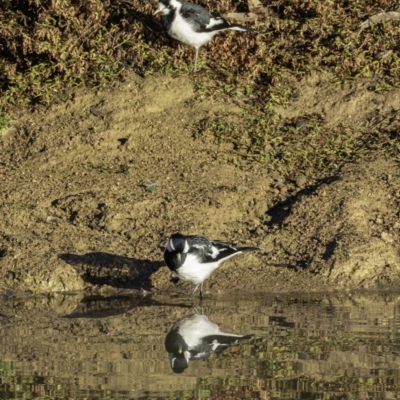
195 338
192 24
194 258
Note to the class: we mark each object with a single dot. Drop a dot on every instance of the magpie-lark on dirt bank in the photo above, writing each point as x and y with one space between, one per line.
192 24
194 258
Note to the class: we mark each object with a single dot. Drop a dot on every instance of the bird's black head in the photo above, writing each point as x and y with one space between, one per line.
178 352
165 7
176 250
179 363
171 3
178 243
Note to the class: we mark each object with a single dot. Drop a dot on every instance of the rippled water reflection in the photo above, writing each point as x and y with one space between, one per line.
313 346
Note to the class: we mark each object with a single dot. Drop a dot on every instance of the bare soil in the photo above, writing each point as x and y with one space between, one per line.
90 195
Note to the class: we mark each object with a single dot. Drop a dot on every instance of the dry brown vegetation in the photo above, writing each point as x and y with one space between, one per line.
49 45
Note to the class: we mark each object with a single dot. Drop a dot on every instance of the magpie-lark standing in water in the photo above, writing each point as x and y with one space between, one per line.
194 258
192 24
195 338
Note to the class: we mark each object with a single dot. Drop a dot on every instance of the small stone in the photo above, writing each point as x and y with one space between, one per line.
261 207
260 231
108 228
276 191
131 235
386 237
267 147
301 180
150 186
300 123
242 188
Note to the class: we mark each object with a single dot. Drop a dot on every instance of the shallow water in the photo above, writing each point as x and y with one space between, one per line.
315 346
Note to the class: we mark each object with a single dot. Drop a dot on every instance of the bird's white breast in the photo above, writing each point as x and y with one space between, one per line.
194 271
197 327
183 31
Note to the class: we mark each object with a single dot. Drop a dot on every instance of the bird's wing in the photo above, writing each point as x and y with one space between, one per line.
200 354
198 241
221 251
210 251
199 245
195 14
201 19
225 248
202 350
205 250
214 344
223 339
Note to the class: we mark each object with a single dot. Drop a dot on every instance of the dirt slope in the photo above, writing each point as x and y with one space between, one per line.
89 197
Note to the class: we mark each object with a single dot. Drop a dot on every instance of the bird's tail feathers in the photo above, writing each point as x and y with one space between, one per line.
227 338
244 249
241 28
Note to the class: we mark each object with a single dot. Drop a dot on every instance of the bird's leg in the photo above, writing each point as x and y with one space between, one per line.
194 291
195 309
201 290
195 60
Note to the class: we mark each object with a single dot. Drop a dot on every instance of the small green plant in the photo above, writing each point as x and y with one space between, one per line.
23 276
5 121
124 199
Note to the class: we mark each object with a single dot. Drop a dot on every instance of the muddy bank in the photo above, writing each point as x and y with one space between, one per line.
89 199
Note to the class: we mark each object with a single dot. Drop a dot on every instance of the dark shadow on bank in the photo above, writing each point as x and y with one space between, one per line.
281 210
100 269
98 306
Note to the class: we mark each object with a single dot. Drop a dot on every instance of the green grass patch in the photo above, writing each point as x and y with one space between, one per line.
303 145
49 46
5 121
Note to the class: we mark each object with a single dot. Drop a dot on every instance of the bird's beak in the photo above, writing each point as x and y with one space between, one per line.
179 256
180 349
156 12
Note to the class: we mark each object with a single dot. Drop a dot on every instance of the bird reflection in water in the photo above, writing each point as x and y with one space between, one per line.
195 337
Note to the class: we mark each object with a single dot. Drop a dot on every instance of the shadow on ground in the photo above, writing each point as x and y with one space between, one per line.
102 306
281 210
100 268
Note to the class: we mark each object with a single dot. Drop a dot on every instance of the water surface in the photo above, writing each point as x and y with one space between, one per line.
303 346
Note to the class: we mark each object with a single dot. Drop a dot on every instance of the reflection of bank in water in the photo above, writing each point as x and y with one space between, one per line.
196 338
306 345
